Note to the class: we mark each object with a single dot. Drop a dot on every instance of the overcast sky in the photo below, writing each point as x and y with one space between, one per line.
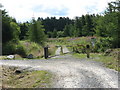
24 10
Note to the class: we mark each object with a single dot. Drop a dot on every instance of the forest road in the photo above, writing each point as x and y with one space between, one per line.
71 72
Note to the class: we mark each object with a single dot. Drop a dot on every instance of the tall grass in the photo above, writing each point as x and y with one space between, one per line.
33 48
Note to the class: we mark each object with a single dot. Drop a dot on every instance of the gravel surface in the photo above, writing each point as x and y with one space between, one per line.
71 72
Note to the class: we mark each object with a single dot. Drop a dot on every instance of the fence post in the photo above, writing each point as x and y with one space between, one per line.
46 52
88 51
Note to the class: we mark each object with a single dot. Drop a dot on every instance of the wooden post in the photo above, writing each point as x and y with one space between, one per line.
73 49
88 51
46 52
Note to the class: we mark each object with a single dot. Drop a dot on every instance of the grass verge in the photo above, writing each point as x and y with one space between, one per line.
109 61
27 79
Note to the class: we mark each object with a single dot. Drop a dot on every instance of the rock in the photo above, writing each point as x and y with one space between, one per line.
10 57
30 56
18 71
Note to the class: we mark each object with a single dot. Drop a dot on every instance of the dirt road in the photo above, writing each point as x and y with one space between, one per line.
71 72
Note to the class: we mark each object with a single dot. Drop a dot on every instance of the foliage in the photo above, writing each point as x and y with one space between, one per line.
36 32
102 44
108 25
79 49
24 28
78 44
10 36
54 35
51 23
71 30
32 48
8 48
20 50
83 26
15 29
9 28
67 30
13 48
60 34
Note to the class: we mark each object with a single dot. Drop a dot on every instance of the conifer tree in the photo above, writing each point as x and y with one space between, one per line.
36 32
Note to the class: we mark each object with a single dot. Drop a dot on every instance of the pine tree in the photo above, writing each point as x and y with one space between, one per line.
36 32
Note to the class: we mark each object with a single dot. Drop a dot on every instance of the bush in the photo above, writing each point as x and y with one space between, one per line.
103 44
33 48
20 50
13 48
8 48
79 48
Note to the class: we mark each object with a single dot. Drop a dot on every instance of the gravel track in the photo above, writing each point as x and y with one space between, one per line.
71 72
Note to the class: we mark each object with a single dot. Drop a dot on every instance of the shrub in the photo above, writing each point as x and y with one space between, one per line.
103 44
79 48
20 50
13 48
8 48
33 48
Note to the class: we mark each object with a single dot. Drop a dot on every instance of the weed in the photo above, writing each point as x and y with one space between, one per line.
33 48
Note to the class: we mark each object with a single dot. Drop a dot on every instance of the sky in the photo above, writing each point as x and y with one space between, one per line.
24 10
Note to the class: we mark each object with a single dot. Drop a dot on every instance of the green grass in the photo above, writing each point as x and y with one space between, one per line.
33 48
81 56
108 61
70 40
2 57
44 79
29 79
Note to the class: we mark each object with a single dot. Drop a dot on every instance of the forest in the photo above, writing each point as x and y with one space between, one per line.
106 25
